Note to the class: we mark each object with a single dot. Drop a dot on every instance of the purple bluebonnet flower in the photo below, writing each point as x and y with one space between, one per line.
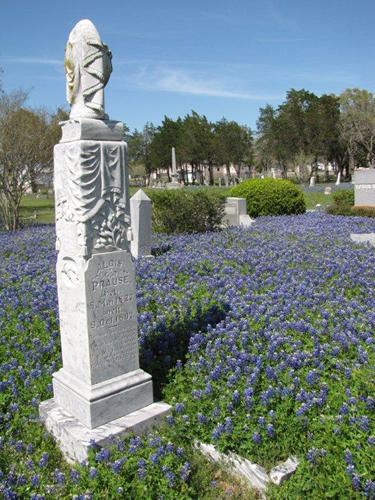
34 480
43 460
59 476
179 407
270 430
93 472
256 437
185 471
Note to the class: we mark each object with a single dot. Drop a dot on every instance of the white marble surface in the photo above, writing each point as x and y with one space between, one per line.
174 167
235 212
283 471
140 213
255 475
245 220
363 238
74 438
90 129
113 399
364 187
88 67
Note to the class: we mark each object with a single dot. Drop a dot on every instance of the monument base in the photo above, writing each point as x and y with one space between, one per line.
98 404
74 438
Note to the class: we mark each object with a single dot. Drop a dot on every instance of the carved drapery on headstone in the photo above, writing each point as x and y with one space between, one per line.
93 194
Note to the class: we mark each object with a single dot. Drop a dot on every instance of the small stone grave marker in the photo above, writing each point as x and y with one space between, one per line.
140 212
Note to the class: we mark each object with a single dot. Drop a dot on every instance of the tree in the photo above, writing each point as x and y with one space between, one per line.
358 123
233 144
27 138
304 127
139 148
197 146
167 135
277 137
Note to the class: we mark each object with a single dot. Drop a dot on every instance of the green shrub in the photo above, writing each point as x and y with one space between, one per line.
190 211
343 203
344 197
270 197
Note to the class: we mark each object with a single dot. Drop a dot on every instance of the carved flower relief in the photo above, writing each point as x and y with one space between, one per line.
111 225
63 211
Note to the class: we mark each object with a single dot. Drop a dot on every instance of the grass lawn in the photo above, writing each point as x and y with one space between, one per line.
313 199
44 208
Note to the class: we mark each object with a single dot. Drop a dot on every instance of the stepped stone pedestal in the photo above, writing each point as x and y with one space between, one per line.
100 390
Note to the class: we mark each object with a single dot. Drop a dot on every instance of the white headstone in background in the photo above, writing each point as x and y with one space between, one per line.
312 181
338 180
236 212
140 212
100 381
364 187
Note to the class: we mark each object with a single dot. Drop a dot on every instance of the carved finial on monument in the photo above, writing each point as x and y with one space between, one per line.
88 66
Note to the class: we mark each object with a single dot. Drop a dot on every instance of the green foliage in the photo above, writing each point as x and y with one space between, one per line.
304 125
358 123
343 203
344 197
270 197
193 211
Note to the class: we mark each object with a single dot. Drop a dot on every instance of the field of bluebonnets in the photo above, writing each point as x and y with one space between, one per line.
267 334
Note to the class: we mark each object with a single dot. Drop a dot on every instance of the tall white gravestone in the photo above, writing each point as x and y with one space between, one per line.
100 390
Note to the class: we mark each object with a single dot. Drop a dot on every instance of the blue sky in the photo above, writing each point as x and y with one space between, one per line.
220 58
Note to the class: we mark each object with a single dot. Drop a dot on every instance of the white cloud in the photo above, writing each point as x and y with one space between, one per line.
191 82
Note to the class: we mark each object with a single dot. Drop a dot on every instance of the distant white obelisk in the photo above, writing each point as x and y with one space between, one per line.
174 169
174 175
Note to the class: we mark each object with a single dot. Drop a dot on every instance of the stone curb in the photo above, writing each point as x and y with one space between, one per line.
255 475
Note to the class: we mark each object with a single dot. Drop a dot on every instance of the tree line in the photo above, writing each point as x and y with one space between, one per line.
199 143
295 136
302 132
